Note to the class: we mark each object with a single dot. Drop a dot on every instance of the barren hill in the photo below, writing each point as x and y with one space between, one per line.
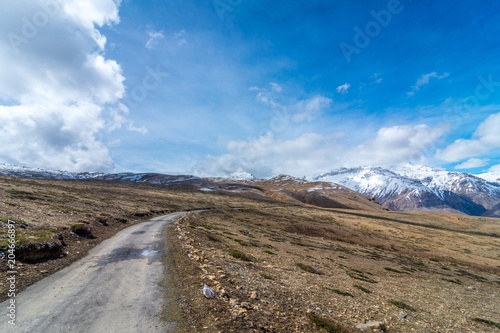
275 262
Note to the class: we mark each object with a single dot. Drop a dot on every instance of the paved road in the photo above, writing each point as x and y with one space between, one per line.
116 288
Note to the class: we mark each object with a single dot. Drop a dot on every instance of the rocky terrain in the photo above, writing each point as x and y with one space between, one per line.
288 268
278 255
402 188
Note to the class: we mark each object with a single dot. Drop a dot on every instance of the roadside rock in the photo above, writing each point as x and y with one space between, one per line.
373 325
35 252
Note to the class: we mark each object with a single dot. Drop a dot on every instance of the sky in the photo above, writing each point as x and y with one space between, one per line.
211 87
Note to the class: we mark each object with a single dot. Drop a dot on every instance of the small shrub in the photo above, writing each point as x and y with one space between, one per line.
239 255
241 242
328 325
267 277
390 269
486 321
403 305
363 289
307 268
456 281
213 238
342 293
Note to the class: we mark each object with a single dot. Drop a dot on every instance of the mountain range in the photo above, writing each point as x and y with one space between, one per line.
415 187
402 188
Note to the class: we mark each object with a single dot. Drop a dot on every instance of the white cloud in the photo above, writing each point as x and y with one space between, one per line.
494 168
485 139
153 38
311 108
396 144
472 163
58 93
276 87
66 137
377 78
289 109
424 80
310 153
179 37
343 89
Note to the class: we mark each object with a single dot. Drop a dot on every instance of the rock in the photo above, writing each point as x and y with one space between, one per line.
404 316
253 295
207 292
238 311
372 325
35 252
246 305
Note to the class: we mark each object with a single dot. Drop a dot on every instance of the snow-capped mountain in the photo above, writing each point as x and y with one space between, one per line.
408 187
414 187
241 176
491 176
154 178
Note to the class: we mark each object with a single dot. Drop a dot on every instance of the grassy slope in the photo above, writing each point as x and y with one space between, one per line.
280 267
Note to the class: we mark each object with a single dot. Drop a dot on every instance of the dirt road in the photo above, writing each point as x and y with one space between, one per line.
116 288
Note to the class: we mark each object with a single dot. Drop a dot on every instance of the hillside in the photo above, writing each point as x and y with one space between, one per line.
275 264
414 187
402 188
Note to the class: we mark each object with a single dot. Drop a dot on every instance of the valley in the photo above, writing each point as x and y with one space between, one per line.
280 255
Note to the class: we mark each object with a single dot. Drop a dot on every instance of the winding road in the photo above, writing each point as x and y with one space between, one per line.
117 287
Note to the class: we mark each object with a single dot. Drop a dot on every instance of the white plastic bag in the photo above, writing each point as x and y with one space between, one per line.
207 292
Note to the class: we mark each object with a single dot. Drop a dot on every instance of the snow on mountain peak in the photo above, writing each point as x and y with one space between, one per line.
242 176
491 176
415 186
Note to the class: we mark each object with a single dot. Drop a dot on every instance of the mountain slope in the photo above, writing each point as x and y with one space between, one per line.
282 188
412 187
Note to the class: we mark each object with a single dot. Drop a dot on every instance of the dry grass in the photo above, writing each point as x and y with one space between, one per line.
45 210
408 263
247 251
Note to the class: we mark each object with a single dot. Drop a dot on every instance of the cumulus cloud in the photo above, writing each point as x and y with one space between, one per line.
58 92
424 80
310 153
485 139
397 144
495 168
343 89
153 38
472 163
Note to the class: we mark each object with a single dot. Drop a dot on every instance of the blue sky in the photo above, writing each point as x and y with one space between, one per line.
213 87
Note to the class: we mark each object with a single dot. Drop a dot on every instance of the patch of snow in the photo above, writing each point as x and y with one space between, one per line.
242 176
492 176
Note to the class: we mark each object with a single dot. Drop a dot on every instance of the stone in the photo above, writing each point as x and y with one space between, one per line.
246 305
372 325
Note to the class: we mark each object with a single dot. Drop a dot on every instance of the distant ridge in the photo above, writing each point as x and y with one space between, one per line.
416 187
400 188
